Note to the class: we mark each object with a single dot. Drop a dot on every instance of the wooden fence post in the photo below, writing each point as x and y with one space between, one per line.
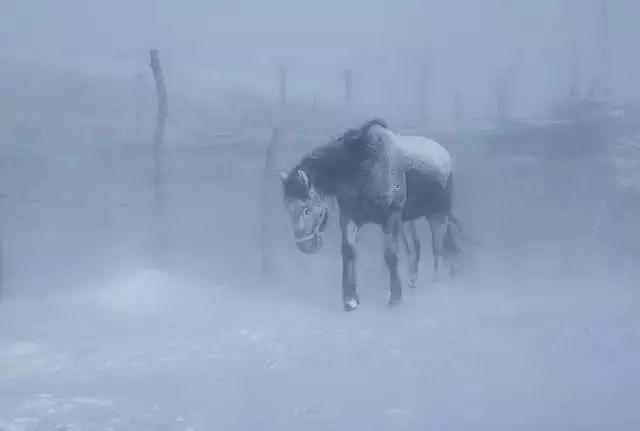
268 176
423 84
158 140
282 90
347 82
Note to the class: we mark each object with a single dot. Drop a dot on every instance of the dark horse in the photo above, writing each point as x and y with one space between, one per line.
377 176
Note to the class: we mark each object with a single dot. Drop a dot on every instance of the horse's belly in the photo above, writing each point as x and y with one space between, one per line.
363 211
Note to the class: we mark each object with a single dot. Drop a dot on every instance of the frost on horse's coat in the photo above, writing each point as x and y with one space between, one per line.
412 172
423 154
376 176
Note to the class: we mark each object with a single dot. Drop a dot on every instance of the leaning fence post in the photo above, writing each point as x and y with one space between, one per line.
158 140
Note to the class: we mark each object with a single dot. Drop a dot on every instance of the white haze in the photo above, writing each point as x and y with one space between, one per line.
116 317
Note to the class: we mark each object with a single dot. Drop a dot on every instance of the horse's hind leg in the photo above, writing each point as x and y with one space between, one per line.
412 244
438 225
391 231
451 247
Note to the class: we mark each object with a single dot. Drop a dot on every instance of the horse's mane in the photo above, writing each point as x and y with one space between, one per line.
345 141
362 131
374 122
314 164
333 160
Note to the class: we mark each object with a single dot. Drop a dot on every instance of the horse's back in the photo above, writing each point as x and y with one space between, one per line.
423 156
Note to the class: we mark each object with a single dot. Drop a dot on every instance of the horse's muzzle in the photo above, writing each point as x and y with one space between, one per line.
310 245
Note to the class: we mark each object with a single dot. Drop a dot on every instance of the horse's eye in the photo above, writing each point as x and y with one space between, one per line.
306 212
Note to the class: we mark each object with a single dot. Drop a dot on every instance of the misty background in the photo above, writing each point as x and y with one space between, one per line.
210 47
117 312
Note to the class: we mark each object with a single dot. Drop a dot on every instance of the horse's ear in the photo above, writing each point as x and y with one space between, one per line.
283 176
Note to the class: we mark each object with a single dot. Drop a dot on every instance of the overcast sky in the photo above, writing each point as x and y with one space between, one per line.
238 42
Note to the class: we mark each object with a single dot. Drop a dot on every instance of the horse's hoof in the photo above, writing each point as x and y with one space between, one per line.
351 305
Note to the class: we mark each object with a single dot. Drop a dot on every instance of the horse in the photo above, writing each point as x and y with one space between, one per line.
379 177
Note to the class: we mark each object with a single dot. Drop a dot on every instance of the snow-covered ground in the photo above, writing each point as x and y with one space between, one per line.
147 350
541 333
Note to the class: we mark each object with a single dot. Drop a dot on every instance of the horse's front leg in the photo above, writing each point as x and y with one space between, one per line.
349 230
412 245
391 231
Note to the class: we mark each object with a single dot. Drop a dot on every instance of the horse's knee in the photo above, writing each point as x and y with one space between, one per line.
391 257
413 253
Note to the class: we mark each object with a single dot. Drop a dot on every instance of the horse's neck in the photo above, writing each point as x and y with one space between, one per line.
326 168
320 178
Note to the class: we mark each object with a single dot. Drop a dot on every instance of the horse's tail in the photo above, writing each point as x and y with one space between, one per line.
453 221
448 191
450 245
450 237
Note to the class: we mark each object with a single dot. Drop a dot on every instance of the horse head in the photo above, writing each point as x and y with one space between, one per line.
308 209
